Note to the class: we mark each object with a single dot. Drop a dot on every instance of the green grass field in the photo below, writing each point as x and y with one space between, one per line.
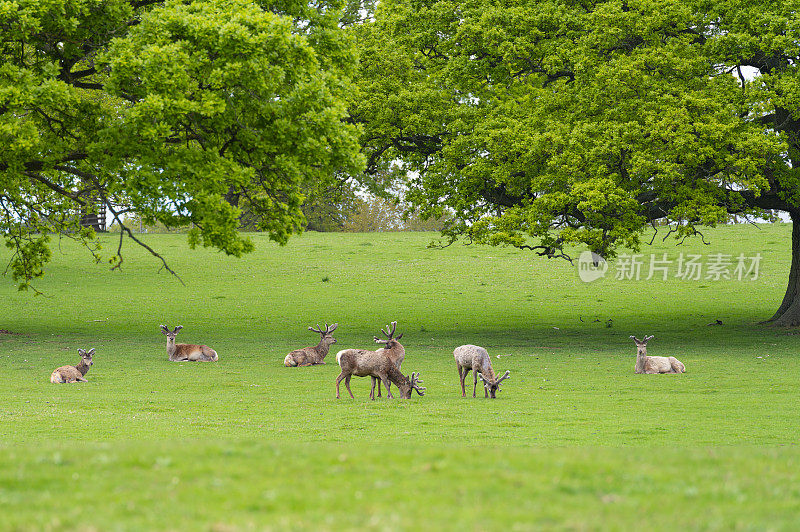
575 440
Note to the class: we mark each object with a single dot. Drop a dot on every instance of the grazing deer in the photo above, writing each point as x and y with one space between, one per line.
648 364
74 373
393 350
475 358
381 364
309 356
191 352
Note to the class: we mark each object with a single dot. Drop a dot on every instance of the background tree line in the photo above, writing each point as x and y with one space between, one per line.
542 125
339 208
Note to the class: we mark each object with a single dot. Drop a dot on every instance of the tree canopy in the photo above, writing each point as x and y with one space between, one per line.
174 110
546 123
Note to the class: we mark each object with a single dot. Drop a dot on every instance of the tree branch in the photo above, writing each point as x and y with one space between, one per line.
125 230
550 252
56 188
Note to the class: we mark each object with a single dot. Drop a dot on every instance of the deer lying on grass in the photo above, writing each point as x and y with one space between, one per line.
383 364
393 350
191 352
648 364
74 373
309 356
475 358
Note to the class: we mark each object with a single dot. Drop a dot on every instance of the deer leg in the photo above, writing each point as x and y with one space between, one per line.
372 390
461 376
347 384
387 383
81 379
338 380
375 380
474 384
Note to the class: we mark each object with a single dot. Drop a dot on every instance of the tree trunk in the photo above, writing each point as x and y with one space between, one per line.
788 314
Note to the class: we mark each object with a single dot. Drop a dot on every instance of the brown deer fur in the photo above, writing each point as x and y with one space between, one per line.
190 352
394 351
363 363
309 356
475 358
383 364
74 373
653 365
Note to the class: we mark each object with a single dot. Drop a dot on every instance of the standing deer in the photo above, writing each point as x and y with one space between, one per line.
648 364
383 365
394 351
309 356
362 363
191 352
475 358
74 373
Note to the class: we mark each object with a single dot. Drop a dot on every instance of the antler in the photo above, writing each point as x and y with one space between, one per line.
415 382
646 338
328 329
389 333
506 375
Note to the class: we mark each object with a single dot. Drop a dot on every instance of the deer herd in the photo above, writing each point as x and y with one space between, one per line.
381 365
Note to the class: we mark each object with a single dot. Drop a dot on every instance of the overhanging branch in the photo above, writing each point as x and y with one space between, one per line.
74 196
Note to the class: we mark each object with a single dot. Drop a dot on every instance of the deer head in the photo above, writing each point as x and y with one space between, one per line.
326 334
411 384
493 387
86 356
389 333
171 334
641 345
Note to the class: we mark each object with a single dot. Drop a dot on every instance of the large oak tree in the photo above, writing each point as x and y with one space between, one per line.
546 123
174 110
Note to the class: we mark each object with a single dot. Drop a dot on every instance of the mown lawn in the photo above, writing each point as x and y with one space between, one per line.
575 440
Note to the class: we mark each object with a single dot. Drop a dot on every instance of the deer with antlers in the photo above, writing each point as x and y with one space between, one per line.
310 356
652 365
74 373
191 352
394 351
382 365
475 358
